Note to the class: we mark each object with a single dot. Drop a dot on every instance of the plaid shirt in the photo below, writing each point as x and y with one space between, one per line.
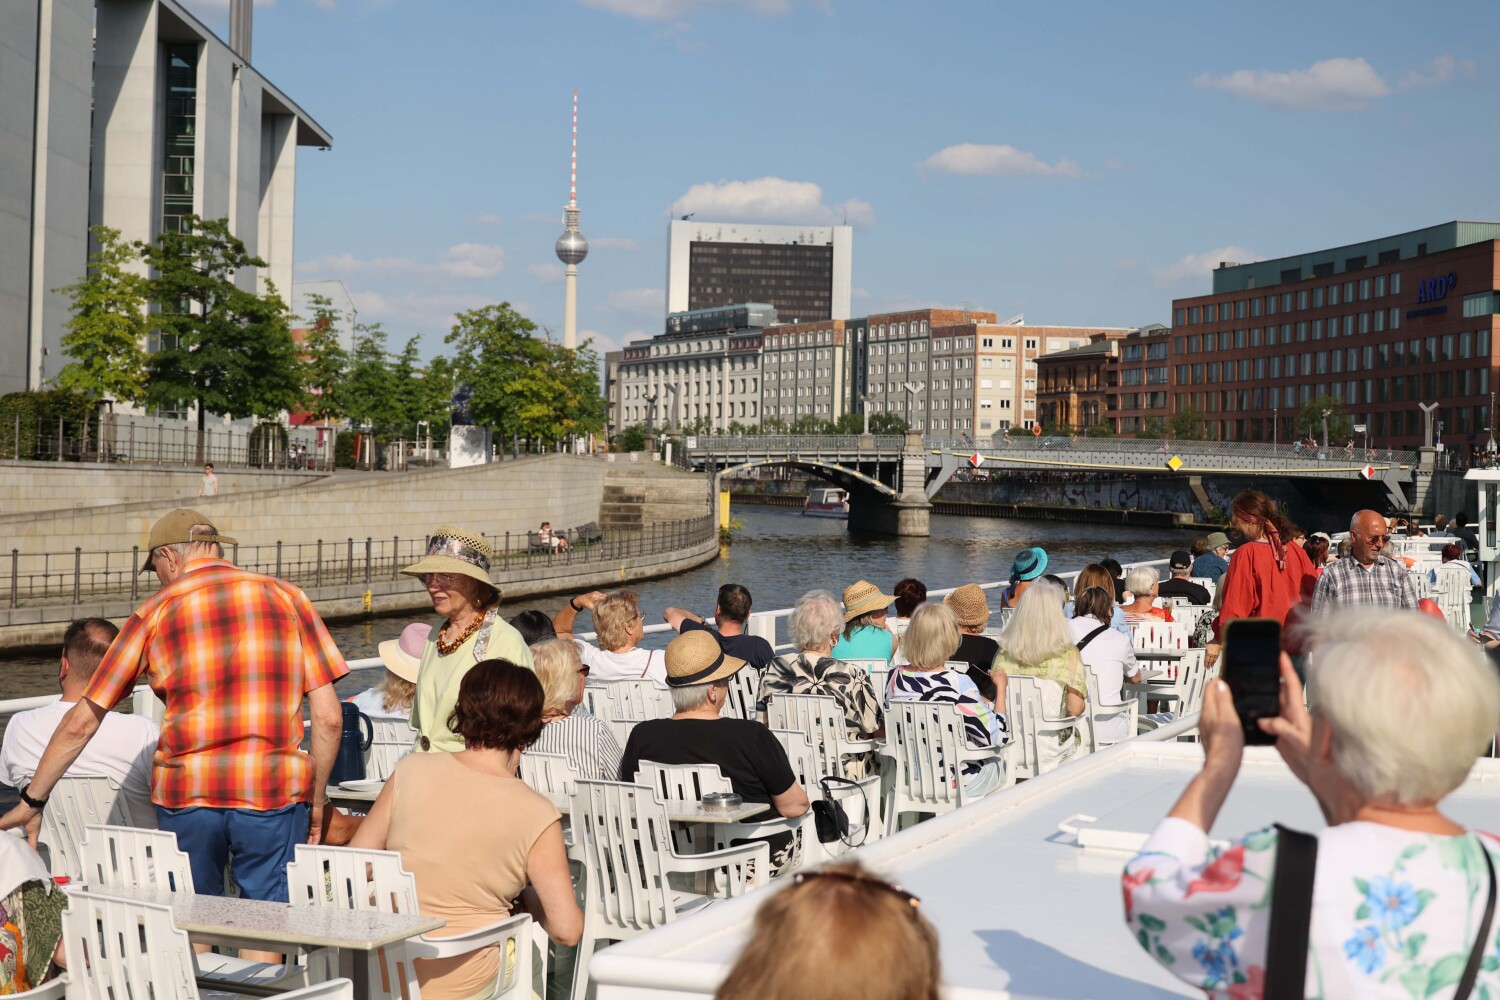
1348 584
232 654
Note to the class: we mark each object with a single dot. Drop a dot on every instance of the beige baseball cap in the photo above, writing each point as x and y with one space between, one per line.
178 527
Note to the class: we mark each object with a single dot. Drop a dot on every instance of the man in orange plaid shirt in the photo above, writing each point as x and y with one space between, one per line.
231 654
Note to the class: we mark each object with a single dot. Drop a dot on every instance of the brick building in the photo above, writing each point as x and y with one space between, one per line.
1072 392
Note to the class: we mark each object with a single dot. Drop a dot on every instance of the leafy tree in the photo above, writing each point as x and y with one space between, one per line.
849 423
108 327
406 390
1100 430
888 423
810 424
1188 425
435 397
631 438
1310 419
367 394
1152 428
325 361
772 425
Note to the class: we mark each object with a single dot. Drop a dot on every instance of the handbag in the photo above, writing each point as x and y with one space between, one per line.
829 816
1291 919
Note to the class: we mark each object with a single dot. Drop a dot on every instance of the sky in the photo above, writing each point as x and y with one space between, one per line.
1081 163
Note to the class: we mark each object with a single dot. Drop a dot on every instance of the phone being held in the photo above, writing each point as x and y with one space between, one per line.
1251 655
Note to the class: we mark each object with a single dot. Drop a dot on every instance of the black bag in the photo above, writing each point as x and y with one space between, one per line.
829 817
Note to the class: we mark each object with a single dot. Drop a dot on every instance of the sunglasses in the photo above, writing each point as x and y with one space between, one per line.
1375 539
440 579
913 901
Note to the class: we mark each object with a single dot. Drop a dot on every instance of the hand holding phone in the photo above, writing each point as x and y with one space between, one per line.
1252 657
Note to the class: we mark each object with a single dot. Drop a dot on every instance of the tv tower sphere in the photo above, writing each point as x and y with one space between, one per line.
571 246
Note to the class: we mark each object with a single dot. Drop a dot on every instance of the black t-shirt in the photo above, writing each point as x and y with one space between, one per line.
979 652
746 752
751 648
1196 593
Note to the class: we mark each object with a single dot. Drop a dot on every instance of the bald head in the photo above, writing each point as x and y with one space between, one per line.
1367 535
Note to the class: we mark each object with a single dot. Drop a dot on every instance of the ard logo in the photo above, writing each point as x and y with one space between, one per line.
1436 289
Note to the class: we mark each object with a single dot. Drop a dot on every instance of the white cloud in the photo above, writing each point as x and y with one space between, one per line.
1436 73
859 294
1340 84
673 10
1196 268
548 274
770 199
462 260
406 313
637 301
487 219
612 243
1001 160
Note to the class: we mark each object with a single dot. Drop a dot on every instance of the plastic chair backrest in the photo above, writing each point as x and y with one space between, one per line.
637 699
1101 711
927 743
744 689
803 758
625 837
145 703
868 665
1023 703
682 782
392 739
122 948
1452 591
819 717
1159 635
1207 584
124 857
76 802
550 775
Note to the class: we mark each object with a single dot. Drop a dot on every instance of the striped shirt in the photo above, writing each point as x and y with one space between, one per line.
588 744
231 654
1348 584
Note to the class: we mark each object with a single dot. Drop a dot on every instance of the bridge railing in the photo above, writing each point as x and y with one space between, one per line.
1144 449
805 444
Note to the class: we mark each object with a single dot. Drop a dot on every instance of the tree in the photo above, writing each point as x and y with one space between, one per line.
325 362
631 438
888 423
406 390
849 423
1152 428
227 349
1310 419
435 397
1100 430
367 394
1188 425
108 327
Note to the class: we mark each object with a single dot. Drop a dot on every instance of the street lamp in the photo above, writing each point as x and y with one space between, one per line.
425 427
911 395
1326 414
1275 425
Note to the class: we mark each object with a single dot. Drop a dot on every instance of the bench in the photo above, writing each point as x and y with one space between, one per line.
536 543
588 532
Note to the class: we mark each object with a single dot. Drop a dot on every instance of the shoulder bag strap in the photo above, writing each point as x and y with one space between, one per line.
1291 914
1471 971
647 668
1091 636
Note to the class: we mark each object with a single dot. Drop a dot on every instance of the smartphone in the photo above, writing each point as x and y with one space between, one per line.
1252 669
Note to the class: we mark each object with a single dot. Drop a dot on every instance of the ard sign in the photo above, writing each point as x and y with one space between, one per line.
1436 289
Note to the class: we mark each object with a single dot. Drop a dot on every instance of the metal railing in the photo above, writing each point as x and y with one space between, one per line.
797 443
76 576
125 439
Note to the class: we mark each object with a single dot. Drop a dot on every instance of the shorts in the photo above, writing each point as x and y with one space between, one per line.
262 843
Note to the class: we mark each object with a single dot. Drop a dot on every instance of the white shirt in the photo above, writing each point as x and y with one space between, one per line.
371 701
1111 657
122 749
632 665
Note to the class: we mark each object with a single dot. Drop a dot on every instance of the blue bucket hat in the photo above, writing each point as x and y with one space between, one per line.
1029 564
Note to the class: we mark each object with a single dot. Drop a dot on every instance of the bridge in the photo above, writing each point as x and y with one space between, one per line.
891 479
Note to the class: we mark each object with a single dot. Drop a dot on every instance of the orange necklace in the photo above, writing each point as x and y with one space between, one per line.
446 648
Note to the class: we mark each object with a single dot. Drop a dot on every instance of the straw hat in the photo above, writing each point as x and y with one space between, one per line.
403 656
453 550
969 606
695 658
1029 564
177 527
863 597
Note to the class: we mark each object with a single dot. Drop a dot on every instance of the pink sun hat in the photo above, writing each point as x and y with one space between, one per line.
403 656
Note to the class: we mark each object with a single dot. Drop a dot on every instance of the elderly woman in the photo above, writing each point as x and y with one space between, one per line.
930 642
971 610
508 844
619 626
1097 575
1038 643
814 628
1025 569
1108 654
866 636
1142 582
698 673
584 739
456 572
1399 707
402 657
909 593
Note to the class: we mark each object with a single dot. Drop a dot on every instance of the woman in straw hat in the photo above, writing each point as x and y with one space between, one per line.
865 634
972 612
392 697
456 572
1037 642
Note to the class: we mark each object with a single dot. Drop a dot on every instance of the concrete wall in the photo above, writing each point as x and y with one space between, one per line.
38 486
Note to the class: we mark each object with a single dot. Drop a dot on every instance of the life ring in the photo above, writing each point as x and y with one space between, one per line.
1036 430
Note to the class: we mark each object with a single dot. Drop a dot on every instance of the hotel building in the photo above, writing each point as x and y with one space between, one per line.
705 369
803 271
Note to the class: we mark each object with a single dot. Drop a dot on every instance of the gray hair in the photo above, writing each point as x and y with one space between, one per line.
182 549
1141 579
692 696
1037 628
1411 704
816 616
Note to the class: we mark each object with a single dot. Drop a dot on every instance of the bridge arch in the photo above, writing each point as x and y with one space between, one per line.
846 478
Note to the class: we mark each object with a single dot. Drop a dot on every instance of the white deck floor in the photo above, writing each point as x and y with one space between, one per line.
1022 911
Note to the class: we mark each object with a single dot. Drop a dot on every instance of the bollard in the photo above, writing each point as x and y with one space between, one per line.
349 564
367 558
15 574
135 572
318 573
278 558
395 556
505 556
77 565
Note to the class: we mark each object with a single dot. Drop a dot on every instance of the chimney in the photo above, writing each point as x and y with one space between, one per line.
240 13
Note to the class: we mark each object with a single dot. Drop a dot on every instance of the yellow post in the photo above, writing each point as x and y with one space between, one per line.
724 508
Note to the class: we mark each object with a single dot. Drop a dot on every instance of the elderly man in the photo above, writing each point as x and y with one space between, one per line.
1213 564
1365 578
232 654
1180 566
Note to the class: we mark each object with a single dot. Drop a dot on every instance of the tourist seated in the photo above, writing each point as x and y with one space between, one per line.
1178 585
814 628
866 636
838 932
1398 710
619 627
534 625
1453 557
1025 569
31 907
585 740
402 656
1440 527
747 753
1110 655
1037 642
971 609
909 593
506 848
124 747
555 540
1116 576
930 642
731 613
1213 563
1318 552
1096 575
1141 586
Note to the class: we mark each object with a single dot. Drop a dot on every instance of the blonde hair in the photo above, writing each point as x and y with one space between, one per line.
396 693
556 663
932 637
613 617
846 935
1037 628
1410 703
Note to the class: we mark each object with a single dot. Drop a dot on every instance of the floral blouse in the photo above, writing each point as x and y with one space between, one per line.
1394 912
849 686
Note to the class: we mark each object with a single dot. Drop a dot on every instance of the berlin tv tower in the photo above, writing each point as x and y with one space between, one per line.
571 246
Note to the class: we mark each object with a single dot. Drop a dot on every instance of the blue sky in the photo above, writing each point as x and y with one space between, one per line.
1082 163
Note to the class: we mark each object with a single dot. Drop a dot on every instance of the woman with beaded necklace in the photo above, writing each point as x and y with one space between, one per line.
456 572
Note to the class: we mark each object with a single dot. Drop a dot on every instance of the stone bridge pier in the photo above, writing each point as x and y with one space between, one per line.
909 512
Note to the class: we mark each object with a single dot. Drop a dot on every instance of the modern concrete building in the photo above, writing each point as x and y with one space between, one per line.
806 371
704 370
804 271
129 114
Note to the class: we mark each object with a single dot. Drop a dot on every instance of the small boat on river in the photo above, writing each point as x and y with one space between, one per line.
827 502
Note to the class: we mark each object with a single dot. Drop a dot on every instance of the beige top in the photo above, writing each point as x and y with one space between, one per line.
467 872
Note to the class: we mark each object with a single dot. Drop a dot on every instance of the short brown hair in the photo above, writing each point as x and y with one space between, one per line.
844 933
1094 602
612 618
908 593
85 643
499 707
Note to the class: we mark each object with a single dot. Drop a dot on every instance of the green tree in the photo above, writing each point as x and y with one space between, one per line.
367 394
1188 424
888 423
631 438
225 348
1152 428
406 388
849 423
325 362
581 407
435 398
106 334
1310 419
1100 430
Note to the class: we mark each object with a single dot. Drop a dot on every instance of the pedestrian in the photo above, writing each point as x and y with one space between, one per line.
1367 579
1264 578
1212 564
208 486
232 654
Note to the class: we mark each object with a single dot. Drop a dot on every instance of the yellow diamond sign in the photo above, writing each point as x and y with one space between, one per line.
1174 463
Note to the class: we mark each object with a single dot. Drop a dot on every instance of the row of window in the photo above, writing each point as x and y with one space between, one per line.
1301 332
1314 298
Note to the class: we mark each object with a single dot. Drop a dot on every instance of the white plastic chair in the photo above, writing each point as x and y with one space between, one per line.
1207 584
1452 593
77 802
1026 700
744 688
861 804
346 878
390 740
621 705
1099 711
820 717
145 703
868 665
550 775
1159 636
926 743
123 948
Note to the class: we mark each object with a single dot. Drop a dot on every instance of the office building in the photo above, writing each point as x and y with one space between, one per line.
805 368
1380 326
129 114
802 271
1140 391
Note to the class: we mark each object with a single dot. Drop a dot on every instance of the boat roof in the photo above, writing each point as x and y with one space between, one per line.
1022 910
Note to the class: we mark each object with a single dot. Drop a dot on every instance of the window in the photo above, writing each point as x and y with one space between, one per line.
1270 305
1255 336
1302 299
1396 283
1317 298
1364 289
1379 320
1395 319
1180 318
1301 332
1196 314
1380 286
1239 309
1481 304
1317 329
987 341
1210 313
1030 343
1239 339
1333 295
1255 307
1286 301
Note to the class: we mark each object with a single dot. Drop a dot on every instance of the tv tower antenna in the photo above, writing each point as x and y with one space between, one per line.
571 247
